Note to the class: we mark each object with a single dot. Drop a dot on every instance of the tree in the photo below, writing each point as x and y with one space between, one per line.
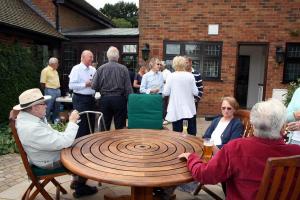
121 13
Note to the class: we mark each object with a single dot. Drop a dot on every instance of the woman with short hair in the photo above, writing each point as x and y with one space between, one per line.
181 89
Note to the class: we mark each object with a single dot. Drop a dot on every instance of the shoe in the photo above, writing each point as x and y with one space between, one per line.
73 185
84 190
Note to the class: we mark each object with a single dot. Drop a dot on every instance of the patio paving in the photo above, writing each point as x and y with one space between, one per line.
14 181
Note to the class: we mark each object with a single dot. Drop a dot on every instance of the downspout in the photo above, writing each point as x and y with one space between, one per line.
57 24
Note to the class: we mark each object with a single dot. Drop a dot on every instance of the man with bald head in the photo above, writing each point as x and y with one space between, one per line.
83 95
113 82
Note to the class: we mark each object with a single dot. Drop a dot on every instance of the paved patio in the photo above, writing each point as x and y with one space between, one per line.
13 180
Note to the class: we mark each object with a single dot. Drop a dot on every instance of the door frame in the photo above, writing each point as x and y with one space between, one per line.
267 46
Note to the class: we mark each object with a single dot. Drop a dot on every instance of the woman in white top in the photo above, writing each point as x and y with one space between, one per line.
226 127
181 89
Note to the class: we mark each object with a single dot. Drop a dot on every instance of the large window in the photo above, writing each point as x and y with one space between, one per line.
292 62
206 56
129 56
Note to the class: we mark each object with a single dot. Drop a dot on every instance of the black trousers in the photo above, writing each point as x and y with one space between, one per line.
114 106
84 103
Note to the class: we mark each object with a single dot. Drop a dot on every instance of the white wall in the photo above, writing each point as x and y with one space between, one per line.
256 71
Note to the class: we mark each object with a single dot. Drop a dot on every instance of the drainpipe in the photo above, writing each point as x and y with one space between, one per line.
57 24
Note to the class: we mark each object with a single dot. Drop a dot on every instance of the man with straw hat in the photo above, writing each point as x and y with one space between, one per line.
41 142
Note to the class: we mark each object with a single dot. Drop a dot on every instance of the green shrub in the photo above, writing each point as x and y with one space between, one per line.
61 127
290 91
20 69
7 142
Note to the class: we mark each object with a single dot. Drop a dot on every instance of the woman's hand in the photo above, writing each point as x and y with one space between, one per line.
293 126
184 156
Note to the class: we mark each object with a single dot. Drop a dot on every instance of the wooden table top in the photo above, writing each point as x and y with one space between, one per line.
132 157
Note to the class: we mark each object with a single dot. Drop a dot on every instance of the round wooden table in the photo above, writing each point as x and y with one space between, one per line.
140 158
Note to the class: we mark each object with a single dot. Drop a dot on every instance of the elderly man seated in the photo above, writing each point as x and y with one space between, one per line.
42 143
240 163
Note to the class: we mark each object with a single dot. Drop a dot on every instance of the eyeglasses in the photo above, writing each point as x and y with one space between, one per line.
159 64
226 108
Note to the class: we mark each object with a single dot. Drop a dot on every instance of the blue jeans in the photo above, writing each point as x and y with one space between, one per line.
192 125
52 105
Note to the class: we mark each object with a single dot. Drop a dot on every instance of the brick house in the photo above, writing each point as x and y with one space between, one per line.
232 43
64 28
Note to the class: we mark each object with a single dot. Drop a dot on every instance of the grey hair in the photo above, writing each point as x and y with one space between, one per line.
179 63
112 54
53 60
267 118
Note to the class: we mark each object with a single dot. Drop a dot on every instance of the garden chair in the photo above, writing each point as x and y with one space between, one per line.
244 116
94 117
281 179
39 177
145 111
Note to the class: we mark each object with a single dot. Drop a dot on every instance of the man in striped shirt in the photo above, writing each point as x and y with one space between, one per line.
198 79
113 82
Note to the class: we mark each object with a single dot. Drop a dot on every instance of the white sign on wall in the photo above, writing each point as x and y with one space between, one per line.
213 29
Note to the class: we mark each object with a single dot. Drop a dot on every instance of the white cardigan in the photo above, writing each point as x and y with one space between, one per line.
181 87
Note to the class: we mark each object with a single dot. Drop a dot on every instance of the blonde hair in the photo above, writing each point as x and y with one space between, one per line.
232 102
179 63
152 62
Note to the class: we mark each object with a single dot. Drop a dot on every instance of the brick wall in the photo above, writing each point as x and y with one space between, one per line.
10 38
247 21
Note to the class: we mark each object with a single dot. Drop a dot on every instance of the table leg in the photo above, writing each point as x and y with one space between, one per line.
141 193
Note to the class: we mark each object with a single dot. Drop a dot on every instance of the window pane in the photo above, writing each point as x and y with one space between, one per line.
197 66
130 61
292 71
129 48
212 50
293 51
211 68
192 49
173 49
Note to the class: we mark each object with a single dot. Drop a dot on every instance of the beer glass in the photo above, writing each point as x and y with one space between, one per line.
207 149
184 126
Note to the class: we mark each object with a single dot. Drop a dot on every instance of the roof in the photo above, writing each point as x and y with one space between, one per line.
17 14
106 32
83 5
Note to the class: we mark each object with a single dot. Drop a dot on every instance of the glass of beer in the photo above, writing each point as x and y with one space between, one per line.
207 149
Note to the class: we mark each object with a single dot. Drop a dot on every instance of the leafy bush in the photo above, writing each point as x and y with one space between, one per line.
290 91
20 70
59 127
7 142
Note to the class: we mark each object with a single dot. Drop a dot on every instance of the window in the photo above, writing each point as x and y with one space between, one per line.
206 56
292 62
129 48
129 56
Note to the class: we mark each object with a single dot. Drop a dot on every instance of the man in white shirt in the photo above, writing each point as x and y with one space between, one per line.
83 95
42 143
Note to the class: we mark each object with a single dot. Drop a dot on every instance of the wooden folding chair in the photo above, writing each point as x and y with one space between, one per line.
244 116
94 117
39 177
281 179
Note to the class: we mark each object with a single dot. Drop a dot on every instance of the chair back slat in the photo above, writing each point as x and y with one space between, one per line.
244 116
281 179
12 125
296 191
275 183
288 182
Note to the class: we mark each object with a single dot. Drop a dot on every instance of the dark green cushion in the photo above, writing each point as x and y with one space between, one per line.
42 172
145 111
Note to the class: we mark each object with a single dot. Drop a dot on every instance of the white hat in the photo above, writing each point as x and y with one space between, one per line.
31 97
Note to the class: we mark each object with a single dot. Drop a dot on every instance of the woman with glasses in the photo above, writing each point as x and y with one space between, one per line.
152 81
225 127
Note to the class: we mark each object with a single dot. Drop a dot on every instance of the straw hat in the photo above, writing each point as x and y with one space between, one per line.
31 97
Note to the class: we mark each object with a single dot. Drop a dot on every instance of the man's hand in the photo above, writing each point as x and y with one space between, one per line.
88 83
74 116
184 156
215 149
